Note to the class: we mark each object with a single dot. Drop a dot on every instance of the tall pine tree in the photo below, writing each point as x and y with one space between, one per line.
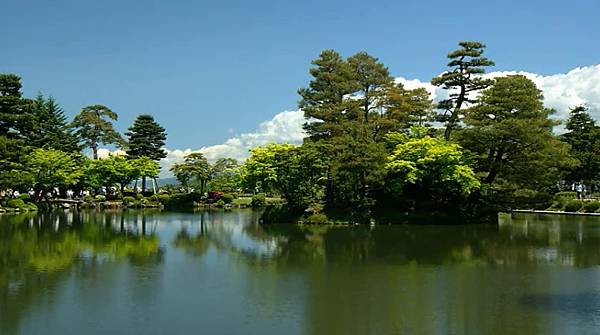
50 128
146 138
584 137
467 65
94 126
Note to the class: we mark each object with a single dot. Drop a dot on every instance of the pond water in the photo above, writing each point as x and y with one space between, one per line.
150 272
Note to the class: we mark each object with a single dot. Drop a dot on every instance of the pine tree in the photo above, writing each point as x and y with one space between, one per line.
324 98
13 108
462 80
511 132
584 137
50 128
94 127
146 138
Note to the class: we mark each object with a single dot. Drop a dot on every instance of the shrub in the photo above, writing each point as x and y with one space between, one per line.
100 197
573 205
182 199
591 206
139 196
227 198
163 198
128 199
15 203
319 218
565 195
220 203
556 206
30 206
258 200
88 198
25 197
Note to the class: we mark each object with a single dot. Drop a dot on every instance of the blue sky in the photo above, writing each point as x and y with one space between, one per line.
210 70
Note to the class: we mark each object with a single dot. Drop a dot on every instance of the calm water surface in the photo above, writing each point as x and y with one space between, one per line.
223 273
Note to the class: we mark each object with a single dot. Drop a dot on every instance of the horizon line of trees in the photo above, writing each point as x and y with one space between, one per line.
41 150
371 142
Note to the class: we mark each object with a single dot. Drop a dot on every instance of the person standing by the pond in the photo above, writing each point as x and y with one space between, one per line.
579 190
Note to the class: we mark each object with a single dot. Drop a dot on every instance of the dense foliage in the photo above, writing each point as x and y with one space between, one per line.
372 143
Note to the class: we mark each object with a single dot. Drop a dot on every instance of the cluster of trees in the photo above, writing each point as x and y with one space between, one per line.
41 150
373 141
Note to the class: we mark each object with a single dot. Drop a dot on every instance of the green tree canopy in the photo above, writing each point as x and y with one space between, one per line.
298 173
94 126
432 164
194 166
110 171
13 108
324 99
50 128
511 133
49 168
146 138
225 175
584 137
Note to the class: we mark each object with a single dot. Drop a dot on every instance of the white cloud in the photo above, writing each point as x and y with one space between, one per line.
561 92
104 152
285 127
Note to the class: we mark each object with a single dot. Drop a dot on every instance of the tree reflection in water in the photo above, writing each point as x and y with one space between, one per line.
36 250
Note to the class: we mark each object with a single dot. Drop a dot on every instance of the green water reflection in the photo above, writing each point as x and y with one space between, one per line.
223 273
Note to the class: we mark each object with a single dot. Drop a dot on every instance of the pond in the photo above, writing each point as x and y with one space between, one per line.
145 272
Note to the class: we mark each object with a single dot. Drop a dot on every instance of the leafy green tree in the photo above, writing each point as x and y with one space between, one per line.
298 173
511 134
182 173
584 137
357 168
194 166
225 175
145 167
50 168
462 80
111 171
430 165
50 128
13 108
94 127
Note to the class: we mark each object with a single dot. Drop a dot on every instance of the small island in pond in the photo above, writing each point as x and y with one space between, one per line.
375 151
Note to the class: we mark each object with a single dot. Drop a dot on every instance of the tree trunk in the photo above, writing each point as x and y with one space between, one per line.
454 116
143 184
494 167
94 151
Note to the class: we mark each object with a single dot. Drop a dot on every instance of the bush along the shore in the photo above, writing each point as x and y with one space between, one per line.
573 205
19 205
591 206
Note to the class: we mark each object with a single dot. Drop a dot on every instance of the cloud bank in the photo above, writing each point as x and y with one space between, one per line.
285 127
561 92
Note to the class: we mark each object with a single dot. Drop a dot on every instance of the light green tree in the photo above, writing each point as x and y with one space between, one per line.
298 173
50 168
194 166
431 164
